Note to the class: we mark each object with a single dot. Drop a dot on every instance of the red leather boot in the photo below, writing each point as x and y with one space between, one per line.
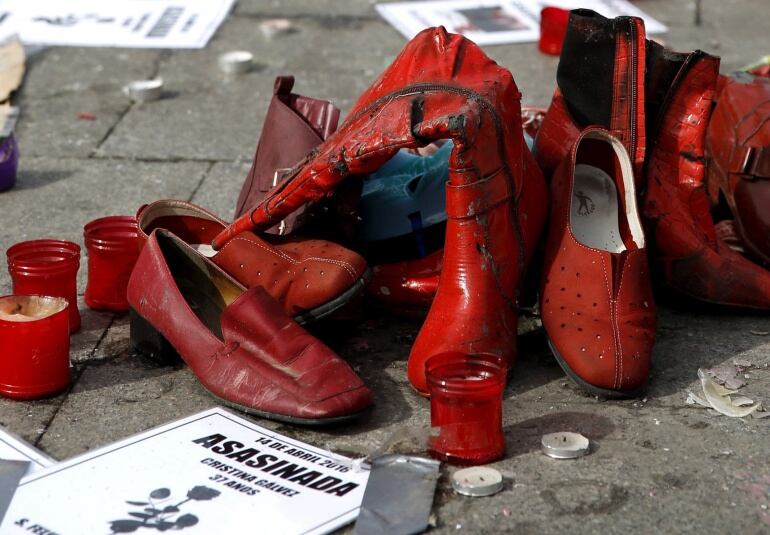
600 81
738 151
442 86
676 208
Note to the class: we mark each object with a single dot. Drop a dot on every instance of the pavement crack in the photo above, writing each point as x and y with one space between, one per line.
200 182
156 65
77 372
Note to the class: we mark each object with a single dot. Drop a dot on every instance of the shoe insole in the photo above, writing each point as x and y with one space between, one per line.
204 249
594 210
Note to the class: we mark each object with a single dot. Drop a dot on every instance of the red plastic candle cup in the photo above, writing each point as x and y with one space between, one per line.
111 243
35 342
466 407
553 28
47 267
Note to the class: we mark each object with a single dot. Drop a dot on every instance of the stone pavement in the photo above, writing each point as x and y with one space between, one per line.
657 465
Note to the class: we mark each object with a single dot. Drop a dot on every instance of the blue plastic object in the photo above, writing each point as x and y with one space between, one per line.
406 195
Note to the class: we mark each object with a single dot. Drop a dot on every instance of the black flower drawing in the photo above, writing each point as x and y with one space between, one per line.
155 515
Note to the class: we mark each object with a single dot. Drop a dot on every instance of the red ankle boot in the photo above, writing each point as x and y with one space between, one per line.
600 81
676 208
442 86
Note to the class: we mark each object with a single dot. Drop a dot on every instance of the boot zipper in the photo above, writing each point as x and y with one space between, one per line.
632 108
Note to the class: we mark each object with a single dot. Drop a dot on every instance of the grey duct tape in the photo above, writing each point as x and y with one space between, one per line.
398 496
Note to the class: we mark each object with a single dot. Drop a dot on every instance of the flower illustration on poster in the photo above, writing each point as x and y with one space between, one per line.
152 514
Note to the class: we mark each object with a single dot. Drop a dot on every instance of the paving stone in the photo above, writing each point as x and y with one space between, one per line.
28 419
62 83
220 189
55 197
121 397
213 116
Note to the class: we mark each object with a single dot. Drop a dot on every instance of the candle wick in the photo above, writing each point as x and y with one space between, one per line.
16 310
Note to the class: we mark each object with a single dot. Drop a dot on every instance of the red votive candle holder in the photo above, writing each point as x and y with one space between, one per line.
553 28
47 267
35 342
466 407
111 243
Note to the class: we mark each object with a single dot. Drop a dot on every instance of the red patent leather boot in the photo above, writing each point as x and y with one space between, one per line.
408 285
596 295
600 81
442 86
676 208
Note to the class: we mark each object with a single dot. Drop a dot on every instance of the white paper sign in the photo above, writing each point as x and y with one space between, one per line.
492 22
119 23
212 472
12 448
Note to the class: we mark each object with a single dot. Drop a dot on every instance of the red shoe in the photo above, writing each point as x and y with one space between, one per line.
442 86
600 81
239 343
309 278
676 208
409 285
596 296
738 151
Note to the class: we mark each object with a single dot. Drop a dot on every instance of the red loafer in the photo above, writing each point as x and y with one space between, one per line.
310 278
240 344
596 296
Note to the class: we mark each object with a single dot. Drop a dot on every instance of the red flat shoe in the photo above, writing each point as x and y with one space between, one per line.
596 296
239 343
738 153
442 86
309 278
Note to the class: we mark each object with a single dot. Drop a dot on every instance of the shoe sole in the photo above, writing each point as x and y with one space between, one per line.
310 422
336 303
588 387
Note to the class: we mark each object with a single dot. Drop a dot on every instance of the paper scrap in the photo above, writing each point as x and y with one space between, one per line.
117 23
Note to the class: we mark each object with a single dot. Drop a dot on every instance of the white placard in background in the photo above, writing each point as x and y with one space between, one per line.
213 472
492 22
117 23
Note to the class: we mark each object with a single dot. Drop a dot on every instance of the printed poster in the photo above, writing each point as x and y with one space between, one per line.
213 472
492 22
117 23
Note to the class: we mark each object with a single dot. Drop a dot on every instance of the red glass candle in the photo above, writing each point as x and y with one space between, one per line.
111 243
47 267
466 407
34 346
553 28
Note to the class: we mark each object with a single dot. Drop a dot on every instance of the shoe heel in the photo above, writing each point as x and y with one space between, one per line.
146 340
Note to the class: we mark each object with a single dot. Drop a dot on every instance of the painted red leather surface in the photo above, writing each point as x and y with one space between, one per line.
443 86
